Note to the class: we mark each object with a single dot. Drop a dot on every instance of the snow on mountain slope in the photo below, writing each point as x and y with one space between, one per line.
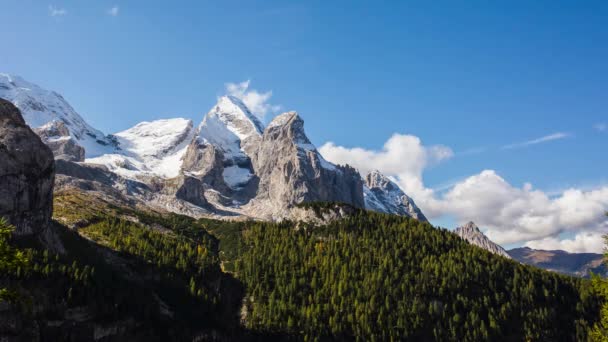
473 235
41 107
150 149
383 195
230 126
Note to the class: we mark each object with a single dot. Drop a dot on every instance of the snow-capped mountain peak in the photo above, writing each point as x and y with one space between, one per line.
383 195
230 126
232 112
40 107
150 149
473 235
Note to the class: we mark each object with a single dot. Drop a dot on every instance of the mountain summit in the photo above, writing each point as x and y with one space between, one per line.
49 112
383 195
228 165
473 235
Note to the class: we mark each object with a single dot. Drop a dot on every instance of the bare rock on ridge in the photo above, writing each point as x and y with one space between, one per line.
27 174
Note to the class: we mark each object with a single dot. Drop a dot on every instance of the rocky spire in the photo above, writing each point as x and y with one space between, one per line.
473 235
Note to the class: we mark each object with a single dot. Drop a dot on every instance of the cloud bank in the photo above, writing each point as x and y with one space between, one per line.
507 213
256 101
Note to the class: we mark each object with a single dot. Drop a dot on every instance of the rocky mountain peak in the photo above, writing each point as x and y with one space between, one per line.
470 227
40 107
383 195
473 235
232 113
291 126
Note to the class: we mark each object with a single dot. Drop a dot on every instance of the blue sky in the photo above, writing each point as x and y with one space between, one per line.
474 76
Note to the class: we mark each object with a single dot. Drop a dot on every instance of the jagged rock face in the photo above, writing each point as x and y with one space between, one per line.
227 139
27 174
56 135
473 235
291 170
383 195
189 189
205 162
40 107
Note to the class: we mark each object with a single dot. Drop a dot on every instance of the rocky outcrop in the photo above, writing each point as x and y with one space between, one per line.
27 174
57 137
473 235
205 162
383 195
187 188
291 170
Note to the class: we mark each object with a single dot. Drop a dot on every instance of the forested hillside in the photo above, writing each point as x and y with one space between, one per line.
145 275
378 277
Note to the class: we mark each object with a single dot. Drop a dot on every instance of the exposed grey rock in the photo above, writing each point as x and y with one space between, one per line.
205 162
322 216
187 188
383 195
56 135
291 171
27 174
473 235
220 153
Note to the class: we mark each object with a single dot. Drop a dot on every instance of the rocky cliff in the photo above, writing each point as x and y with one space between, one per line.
27 174
292 171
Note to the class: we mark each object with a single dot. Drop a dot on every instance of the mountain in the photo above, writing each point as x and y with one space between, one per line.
103 269
473 235
42 108
149 149
383 195
576 264
292 171
228 165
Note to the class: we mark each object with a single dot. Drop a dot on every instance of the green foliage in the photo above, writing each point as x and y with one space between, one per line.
381 277
599 332
10 257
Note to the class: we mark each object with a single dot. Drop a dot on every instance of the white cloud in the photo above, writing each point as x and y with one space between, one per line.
601 127
508 214
402 157
546 138
113 11
581 243
256 102
57 12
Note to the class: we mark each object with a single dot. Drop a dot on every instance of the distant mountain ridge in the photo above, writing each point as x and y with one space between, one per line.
228 165
576 264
